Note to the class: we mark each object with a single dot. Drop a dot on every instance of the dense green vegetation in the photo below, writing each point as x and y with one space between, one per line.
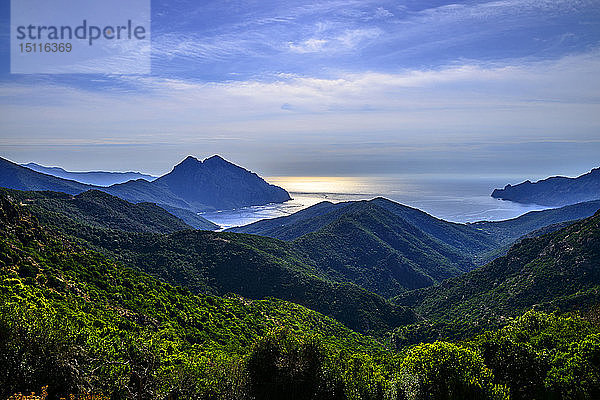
557 271
220 263
79 322
74 319
460 238
380 251
387 247
380 245
99 209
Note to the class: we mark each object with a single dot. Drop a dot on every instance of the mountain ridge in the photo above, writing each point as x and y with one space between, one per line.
212 183
554 191
96 178
556 271
192 185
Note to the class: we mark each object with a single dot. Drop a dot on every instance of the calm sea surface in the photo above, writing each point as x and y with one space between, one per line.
453 198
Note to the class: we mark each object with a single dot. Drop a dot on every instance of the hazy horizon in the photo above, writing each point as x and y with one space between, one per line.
342 88
323 183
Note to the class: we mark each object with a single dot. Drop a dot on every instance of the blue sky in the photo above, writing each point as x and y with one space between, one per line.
330 88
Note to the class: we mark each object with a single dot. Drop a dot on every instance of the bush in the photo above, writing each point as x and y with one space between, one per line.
446 371
282 366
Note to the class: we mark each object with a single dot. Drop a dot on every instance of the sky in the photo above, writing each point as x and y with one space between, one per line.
329 88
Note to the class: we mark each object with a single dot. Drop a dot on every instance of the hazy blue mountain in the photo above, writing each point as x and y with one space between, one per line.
192 185
14 176
97 178
218 184
196 185
505 232
554 191
141 190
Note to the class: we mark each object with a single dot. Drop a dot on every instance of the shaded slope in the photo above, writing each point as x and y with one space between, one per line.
313 218
380 251
96 208
293 226
219 263
251 266
218 184
554 191
480 241
561 270
460 236
14 176
505 232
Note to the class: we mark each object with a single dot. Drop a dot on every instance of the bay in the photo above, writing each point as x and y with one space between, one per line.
456 198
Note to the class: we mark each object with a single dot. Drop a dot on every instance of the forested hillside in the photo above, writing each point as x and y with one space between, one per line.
556 271
81 324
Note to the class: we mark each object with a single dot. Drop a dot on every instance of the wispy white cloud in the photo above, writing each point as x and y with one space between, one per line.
381 12
351 38
311 45
521 99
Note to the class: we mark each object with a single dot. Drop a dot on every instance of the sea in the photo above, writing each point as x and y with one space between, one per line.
456 198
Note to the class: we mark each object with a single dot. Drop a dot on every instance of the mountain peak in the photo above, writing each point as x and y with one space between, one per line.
216 157
216 160
189 159
216 183
193 161
188 163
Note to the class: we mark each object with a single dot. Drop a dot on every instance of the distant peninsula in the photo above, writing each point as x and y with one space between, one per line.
555 191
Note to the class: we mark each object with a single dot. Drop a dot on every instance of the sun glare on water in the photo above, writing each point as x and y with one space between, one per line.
320 184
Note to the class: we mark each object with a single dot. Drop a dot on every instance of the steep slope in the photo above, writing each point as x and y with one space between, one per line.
97 178
191 218
251 266
376 249
505 232
141 190
554 191
481 241
218 184
96 208
76 318
471 241
14 176
559 270
460 236
220 263
293 226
